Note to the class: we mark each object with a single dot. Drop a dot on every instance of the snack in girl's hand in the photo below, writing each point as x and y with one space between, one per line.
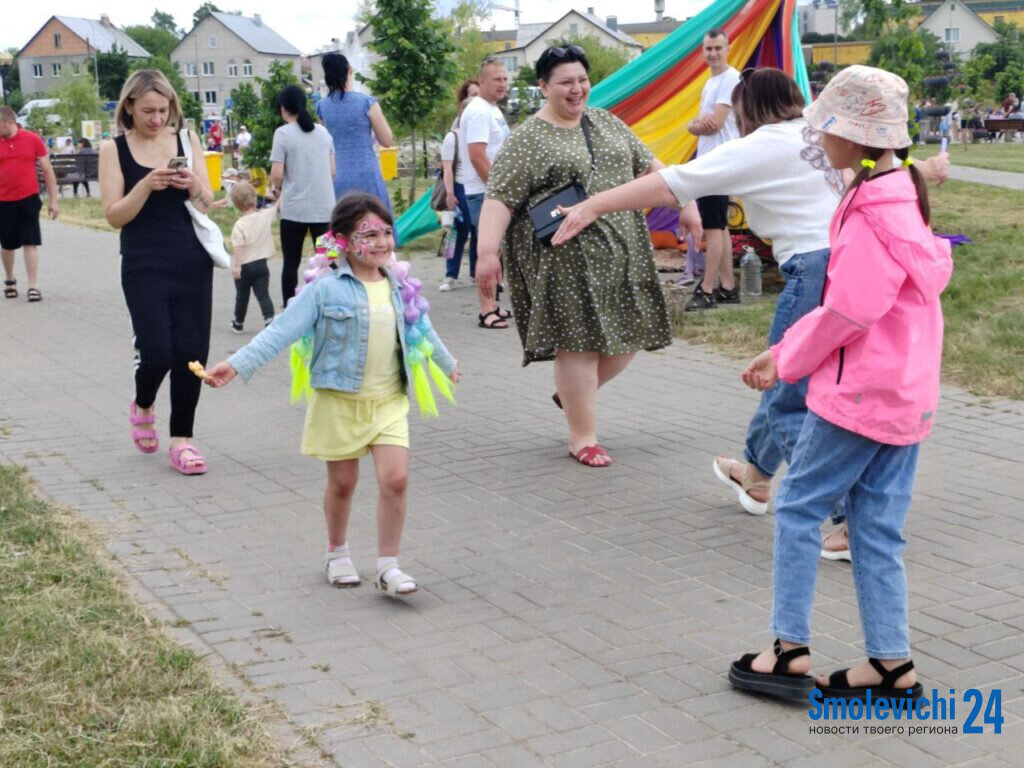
197 368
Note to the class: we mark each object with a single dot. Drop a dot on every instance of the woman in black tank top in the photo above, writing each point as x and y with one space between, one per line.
166 275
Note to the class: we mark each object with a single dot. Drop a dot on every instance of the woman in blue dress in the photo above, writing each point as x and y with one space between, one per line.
354 120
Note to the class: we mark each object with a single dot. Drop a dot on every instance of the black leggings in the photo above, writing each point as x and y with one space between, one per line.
293 233
172 327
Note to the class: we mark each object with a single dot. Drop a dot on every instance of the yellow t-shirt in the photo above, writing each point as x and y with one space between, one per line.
382 376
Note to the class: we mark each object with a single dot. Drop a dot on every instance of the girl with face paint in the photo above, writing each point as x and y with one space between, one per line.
365 342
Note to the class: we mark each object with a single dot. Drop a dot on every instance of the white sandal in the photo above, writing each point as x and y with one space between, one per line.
743 489
836 554
401 583
341 574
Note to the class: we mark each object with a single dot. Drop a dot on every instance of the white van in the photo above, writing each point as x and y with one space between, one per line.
24 112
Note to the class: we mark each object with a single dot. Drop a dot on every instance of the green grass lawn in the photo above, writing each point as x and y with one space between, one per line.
993 157
983 305
87 679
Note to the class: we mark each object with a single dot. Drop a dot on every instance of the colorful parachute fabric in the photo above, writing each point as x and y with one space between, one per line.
658 93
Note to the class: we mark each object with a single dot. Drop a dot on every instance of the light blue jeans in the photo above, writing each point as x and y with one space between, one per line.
877 480
776 423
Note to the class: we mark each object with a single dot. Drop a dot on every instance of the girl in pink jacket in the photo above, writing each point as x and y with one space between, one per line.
873 351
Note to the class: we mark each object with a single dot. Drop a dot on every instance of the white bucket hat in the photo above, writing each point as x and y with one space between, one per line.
865 105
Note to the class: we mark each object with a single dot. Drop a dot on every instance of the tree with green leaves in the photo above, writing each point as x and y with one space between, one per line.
78 102
908 52
113 70
268 117
202 12
159 42
245 104
996 69
870 18
416 69
603 59
165 21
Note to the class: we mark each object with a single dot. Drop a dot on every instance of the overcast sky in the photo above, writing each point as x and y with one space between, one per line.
305 28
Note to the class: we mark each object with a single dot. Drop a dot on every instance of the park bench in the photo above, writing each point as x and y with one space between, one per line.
75 169
1004 125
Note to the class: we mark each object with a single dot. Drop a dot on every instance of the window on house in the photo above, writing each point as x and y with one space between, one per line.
510 62
56 39
209 97
207 67
232 69
37 70
190 69
213 41
76 68
952 35
56 69
195 95
246 68
574 29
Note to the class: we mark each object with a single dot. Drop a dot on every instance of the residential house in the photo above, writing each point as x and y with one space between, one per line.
649 33
64 48
225 50
989 11
820 17
522 47
958 27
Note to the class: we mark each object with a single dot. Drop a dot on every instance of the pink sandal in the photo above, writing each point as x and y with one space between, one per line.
189 465
587 454
138 434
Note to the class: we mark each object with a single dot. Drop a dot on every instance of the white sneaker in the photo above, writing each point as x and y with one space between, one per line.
472 281
447 285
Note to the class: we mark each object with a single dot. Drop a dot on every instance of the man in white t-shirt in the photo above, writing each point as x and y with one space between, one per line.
715 125
482 131
242 141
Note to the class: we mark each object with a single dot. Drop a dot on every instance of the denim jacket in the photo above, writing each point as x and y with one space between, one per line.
336 308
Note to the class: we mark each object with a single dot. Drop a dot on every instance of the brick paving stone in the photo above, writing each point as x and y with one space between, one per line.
566 617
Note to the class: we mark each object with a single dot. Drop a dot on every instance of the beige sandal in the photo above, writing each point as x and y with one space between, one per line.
836 554
724 471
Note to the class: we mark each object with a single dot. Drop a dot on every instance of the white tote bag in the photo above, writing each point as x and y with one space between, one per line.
207 231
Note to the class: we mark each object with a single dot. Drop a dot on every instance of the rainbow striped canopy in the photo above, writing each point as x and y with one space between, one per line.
657 93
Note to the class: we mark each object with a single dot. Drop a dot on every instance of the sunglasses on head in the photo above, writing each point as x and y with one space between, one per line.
560 52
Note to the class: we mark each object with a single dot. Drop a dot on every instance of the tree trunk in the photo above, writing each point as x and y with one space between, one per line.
426 163
412 186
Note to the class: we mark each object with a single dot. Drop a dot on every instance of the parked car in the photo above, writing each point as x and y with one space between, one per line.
27 108
527 99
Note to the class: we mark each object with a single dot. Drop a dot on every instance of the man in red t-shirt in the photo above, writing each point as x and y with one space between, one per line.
20 152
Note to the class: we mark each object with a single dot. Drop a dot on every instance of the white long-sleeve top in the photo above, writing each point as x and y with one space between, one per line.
789 190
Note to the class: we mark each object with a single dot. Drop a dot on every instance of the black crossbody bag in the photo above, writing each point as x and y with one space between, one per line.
544 214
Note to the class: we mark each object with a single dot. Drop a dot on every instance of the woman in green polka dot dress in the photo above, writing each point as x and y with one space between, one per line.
595 301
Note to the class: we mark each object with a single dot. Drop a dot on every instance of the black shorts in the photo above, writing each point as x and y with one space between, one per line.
714 211
19 222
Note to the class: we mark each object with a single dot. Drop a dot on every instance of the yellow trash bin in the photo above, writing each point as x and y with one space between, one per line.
388 162
214 167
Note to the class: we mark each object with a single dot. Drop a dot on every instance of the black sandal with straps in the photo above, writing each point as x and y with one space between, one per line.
10 289
839 686
779 682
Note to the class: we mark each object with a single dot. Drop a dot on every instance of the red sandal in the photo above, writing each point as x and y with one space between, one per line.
587 454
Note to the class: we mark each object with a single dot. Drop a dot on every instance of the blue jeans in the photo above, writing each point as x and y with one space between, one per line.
464 230
877 480
775 425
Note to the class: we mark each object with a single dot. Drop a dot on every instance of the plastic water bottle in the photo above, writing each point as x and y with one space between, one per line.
449 243
750 272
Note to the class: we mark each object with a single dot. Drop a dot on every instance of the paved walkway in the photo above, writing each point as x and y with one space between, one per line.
567 617
1005 179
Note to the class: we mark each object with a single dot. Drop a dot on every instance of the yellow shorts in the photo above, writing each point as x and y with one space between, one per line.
340 426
